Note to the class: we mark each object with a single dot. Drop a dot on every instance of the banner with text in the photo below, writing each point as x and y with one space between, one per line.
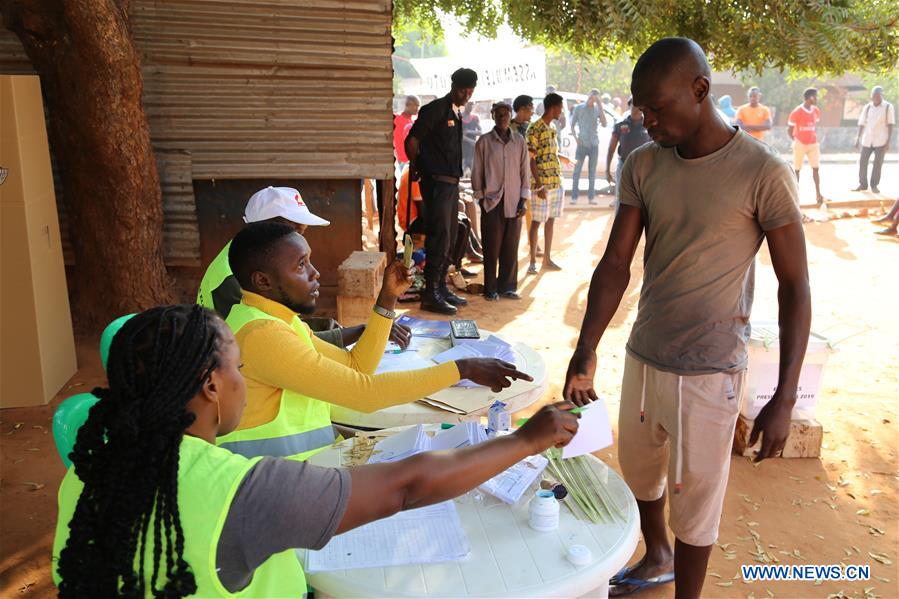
523 72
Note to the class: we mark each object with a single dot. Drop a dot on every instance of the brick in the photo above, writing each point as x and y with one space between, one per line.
360 275
352 311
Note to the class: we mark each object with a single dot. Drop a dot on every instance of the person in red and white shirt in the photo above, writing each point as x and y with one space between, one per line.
802 129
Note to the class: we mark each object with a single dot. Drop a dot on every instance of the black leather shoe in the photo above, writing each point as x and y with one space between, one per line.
512 295
451 297
491 296
432 301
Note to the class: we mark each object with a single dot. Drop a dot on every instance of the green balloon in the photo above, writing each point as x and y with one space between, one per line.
69 417
108 333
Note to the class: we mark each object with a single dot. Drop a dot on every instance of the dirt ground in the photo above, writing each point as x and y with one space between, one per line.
840 508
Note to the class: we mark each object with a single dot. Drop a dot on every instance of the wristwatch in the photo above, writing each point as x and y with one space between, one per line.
384 312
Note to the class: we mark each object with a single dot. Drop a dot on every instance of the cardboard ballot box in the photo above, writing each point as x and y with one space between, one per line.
37 348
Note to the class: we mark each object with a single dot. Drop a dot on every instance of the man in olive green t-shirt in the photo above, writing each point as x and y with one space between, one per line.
706 195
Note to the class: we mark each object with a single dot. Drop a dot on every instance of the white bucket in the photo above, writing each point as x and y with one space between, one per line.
764 363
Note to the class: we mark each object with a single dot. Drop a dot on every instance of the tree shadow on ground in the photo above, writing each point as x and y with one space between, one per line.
824 235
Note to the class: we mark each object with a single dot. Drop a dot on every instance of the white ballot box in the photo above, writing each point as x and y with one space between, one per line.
764 360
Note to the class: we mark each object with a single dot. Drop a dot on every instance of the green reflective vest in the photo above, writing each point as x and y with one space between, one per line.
208 478
303 424
219 270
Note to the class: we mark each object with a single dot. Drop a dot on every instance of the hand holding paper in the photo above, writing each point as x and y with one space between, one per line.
594 431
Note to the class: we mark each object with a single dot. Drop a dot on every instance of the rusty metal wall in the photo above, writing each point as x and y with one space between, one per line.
256 89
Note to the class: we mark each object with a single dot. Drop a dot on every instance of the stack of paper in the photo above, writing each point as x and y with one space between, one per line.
437 329
463 434
415 440
423 536
510 485
491 347
400 446
415 344
461 406
396 362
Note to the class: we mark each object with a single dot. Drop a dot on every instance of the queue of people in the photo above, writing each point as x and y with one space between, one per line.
446 143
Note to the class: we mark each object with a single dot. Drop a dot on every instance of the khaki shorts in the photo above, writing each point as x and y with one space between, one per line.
801 150
653 454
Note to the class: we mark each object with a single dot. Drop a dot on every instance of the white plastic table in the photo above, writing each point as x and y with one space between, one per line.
517 397
507 559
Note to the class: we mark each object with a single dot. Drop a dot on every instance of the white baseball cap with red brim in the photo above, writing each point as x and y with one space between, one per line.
285 202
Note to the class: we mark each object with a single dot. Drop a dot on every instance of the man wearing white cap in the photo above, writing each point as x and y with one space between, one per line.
219 289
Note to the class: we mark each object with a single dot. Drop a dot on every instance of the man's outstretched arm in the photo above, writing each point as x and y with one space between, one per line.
609 282
787 247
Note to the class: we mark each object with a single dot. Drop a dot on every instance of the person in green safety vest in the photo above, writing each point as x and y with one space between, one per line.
219 290
151 507
293 377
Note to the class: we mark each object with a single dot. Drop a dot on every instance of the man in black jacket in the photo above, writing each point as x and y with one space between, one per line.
434 148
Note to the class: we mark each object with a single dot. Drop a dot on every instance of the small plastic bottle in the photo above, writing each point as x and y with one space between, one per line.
498 419
544 511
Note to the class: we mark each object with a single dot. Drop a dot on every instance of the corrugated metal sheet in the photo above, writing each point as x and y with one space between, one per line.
179 232
257 89
270 88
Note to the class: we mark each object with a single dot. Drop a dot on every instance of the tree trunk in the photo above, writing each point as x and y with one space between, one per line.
92 84
387 233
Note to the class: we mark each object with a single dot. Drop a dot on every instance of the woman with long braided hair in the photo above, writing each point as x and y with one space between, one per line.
152 508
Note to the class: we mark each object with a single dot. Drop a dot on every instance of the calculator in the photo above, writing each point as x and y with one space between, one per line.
464 329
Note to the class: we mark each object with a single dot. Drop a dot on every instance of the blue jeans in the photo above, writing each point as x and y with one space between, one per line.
590 153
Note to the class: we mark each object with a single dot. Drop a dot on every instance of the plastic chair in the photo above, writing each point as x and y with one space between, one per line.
69 417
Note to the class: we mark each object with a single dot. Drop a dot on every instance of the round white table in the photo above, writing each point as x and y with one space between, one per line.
516 397
507 559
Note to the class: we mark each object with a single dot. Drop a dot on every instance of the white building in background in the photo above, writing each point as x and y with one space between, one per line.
507 66
500 75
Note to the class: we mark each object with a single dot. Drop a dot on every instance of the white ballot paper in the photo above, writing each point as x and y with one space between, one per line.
510 485
415 440
415 344
407 360
594 431
401 445
423 536
491 347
